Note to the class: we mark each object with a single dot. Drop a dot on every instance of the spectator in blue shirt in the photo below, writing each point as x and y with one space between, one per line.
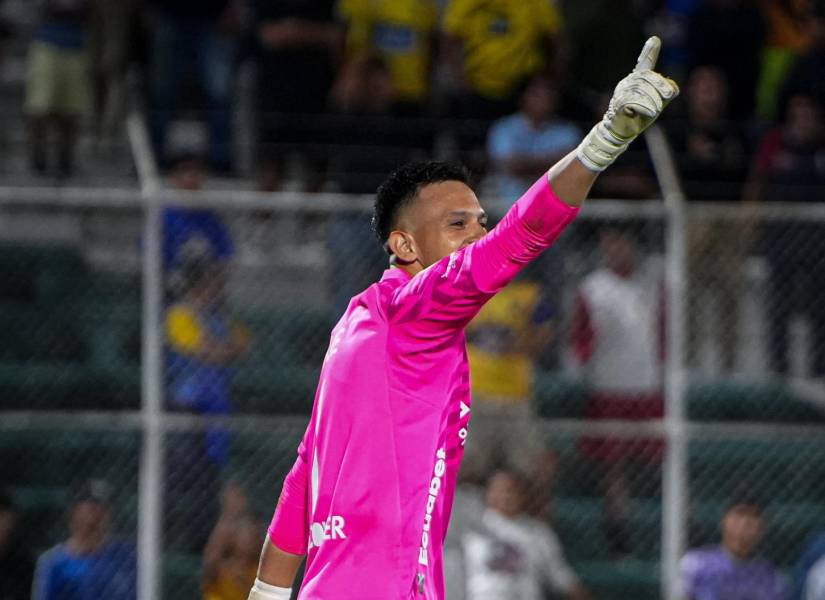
521 145
90 565
191 233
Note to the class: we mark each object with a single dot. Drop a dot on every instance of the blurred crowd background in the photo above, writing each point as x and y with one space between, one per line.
315 101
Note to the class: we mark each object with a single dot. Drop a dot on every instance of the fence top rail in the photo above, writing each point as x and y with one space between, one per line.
132 420
125 198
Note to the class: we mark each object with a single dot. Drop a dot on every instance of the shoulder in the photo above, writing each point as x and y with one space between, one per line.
508 124
53 557
595 280
181 314
699 559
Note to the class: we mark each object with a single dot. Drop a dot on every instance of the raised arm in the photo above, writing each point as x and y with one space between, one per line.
448 294
637 102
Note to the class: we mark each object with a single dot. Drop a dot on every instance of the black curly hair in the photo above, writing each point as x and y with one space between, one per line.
402 186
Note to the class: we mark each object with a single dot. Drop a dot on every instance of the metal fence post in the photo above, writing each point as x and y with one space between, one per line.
150 492
674 481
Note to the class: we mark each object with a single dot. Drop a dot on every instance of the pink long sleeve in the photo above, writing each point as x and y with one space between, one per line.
452 291
288 529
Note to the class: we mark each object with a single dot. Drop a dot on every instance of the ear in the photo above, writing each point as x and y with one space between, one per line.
402 245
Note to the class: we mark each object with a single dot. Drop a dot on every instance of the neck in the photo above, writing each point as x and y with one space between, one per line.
86 544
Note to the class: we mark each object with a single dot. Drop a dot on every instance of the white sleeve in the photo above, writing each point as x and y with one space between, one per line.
553 566
815 582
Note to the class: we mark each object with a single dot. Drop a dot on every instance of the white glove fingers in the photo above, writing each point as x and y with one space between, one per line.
665 87
650 54
645 100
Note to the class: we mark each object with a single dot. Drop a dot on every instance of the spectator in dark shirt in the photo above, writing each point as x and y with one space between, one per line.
806 76
730 34
16 564
790 167
711 156
371 143
297 42
58 89
194 37
91 564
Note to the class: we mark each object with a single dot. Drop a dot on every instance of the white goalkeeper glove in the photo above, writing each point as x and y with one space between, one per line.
264 591
637 101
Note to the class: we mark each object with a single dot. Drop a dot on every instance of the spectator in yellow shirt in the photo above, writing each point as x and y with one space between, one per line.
505 341
231 555
495 46
402 33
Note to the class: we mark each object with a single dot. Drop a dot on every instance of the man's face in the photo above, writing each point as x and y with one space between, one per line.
89 518
445 217
741 530
504 495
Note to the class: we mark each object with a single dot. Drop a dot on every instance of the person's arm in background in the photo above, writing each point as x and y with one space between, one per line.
43 587
582 336
555 570
448 294
451 42
186 335
234 507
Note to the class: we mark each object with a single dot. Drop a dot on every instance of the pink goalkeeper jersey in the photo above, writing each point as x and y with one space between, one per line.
370 495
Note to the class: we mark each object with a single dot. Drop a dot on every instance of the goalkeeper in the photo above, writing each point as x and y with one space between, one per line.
369 497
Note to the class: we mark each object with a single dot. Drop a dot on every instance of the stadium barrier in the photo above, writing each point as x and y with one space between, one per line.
237 347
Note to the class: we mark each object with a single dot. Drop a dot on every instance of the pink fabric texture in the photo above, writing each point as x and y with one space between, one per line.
370 496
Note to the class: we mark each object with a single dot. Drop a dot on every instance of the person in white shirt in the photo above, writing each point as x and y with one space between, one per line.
815 582
511 555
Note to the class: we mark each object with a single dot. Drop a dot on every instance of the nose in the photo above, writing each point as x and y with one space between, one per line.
482 231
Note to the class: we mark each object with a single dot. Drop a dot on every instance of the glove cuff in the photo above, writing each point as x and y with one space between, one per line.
600 148
264 591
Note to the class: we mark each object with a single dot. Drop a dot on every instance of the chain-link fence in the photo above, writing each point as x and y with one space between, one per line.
569 367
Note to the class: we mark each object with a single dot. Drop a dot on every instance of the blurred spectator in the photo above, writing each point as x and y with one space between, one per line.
372 142
493 48
58 88
790 34
231 554
113 36
605 37
731 569
198 38
90 564
504 342
203 340
402 33
192 233
510 554
522 145
5 33
373 139
713 164
631 176
16 564
790 167
809 580
297 44
730 35
616 338
805 76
